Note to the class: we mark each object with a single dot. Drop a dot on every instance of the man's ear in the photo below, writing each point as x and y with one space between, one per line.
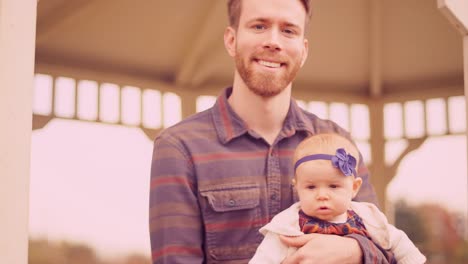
230 41
305 53
357 182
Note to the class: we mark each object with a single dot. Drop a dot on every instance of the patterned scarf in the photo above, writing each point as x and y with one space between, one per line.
353 225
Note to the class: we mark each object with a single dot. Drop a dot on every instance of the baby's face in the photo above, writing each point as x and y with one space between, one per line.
324 192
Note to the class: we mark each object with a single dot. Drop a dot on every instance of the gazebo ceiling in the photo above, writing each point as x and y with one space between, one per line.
363 47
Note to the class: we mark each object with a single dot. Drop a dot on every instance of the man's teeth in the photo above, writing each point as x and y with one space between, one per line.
270 64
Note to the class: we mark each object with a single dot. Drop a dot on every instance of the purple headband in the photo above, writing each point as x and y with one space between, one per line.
341 160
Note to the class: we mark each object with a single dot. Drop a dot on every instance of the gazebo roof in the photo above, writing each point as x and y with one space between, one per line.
361 47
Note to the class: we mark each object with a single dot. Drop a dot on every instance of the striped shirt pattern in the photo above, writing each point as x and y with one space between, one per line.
215 182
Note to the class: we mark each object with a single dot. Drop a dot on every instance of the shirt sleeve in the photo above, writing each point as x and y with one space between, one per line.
175 224
371 253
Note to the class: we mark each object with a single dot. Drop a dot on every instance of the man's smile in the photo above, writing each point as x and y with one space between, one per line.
269 64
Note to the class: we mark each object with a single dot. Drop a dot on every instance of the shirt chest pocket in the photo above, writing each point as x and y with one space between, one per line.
232 217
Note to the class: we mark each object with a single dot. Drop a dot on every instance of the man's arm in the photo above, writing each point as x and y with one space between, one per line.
174 217
320 248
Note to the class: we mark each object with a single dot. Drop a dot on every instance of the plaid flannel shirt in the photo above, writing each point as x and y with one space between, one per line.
215 182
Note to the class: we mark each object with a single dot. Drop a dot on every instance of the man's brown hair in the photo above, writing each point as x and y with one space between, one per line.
235 7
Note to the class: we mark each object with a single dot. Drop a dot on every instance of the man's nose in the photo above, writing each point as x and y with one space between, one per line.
272 40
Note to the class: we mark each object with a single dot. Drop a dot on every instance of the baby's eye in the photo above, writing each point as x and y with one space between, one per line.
333 186
311 187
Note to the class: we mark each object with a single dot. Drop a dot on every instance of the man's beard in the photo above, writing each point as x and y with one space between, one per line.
266 84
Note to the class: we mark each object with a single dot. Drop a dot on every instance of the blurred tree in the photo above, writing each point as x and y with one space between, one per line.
79 253
435 231
137 259
46 252
409 220
42 251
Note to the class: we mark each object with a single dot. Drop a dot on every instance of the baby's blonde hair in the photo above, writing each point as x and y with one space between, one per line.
326 143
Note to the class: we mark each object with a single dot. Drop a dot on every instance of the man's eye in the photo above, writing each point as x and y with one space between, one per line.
259 27
289 31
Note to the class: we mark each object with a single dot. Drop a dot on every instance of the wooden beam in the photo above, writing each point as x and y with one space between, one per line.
379 177
375 40
58 15
204 44
456 11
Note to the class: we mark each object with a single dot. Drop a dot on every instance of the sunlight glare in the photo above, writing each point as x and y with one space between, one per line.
414 119
131 106
172 109
151 108
320 109
339 112
360 122
457 114
109 103
87 100
42 94
393 125
436 112
64 97
204 102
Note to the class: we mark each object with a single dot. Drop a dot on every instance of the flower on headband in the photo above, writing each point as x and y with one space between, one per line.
345 162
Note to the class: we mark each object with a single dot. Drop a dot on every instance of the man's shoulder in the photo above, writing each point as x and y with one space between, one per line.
321 125
197 123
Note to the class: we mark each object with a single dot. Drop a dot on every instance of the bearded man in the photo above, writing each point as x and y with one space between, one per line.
219 175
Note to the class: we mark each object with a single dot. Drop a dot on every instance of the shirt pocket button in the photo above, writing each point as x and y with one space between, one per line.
231 203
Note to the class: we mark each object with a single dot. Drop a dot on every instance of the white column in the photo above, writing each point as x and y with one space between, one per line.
456 11
465 52
17 43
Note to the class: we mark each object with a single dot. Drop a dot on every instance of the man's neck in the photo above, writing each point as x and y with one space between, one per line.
265 116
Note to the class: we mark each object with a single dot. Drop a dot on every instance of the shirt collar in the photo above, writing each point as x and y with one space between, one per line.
229 125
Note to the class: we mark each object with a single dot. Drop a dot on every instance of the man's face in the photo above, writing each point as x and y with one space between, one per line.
269 45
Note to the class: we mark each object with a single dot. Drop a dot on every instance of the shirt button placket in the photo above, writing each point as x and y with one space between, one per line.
273 182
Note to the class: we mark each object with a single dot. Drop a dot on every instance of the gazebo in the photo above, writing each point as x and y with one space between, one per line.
368 59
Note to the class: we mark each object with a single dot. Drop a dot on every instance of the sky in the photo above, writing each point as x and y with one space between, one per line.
90 182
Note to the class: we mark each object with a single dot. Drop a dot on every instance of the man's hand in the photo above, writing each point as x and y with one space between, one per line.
319 248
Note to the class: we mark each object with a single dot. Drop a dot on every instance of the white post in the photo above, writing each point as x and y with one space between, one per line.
465 51
456 11
17 44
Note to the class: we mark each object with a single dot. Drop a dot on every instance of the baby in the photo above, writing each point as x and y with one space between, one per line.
326 182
